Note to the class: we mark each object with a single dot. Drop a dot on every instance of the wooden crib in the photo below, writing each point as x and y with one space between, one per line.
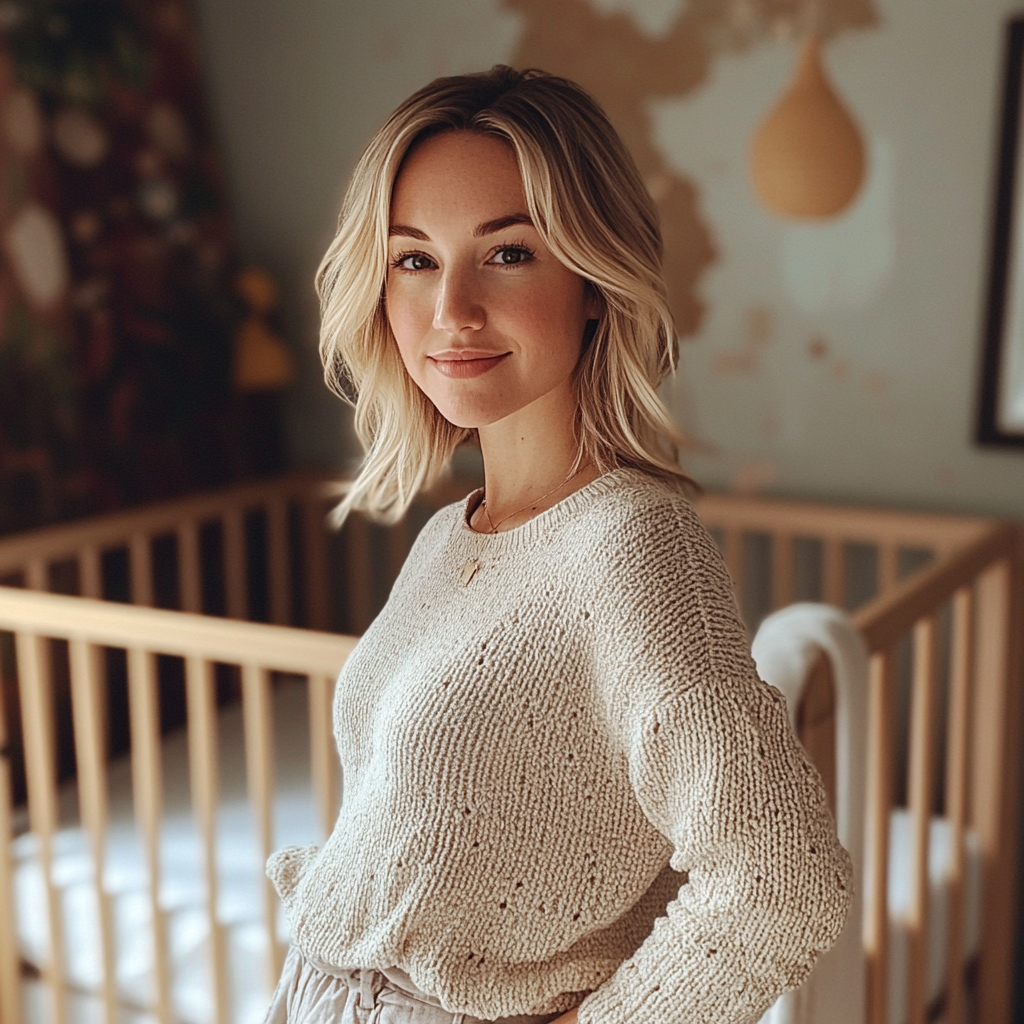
939 601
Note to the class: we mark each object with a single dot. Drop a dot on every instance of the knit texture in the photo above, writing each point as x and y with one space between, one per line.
564 777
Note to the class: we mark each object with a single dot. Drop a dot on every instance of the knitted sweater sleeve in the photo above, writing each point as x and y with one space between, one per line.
717 770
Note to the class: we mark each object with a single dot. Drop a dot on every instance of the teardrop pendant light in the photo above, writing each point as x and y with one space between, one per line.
807 158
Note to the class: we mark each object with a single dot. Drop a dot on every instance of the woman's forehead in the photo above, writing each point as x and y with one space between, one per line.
460 177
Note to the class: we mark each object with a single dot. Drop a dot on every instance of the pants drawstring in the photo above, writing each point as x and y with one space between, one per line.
367 1000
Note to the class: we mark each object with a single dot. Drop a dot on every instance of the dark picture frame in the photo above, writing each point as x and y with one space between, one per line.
1001 396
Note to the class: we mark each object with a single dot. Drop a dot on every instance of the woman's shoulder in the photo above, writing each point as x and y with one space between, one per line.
644 534
655 583
633 509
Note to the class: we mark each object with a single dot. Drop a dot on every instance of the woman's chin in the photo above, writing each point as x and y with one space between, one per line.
468 416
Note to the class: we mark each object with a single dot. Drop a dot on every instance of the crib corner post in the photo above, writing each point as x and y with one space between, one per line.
999 677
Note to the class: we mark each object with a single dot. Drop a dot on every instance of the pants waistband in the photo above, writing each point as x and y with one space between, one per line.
373 984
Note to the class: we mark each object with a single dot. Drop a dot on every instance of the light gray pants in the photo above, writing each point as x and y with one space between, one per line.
308 994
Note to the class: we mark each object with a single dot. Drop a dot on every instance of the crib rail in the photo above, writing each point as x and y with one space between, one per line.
781 551
288 506
270 558
87 627
973 600
777 551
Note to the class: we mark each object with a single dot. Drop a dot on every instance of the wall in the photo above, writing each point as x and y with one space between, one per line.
863 335
835 361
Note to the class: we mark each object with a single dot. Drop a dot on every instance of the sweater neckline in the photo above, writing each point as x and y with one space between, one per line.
544 522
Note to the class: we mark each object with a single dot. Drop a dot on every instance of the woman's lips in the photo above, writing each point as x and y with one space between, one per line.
466 364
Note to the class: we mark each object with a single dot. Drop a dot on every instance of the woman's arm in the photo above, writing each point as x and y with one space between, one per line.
717 770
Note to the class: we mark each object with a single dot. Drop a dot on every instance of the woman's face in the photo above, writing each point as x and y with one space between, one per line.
487 320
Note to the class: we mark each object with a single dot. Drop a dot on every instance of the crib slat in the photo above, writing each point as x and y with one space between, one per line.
36 574
876 922
816 722
37 727
782 570
234 563
90 574
956 794
147 794
833 584
922 770
359 581
259 773
322 752
140 561
989 670
733 555
278 562
88 710
190 573
888 566
202 749
314 540
10 982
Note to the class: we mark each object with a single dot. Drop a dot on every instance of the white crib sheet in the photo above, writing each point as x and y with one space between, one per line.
240 875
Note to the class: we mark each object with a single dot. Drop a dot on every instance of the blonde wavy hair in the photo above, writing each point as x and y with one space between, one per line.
590 206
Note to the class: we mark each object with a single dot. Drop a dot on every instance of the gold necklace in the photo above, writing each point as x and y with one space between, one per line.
574 470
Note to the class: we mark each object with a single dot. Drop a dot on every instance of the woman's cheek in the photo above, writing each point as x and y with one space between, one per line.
407 325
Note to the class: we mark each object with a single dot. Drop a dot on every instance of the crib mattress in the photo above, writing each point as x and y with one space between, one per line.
240 872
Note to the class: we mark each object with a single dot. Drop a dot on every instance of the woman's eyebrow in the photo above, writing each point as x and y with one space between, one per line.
407 232
488 227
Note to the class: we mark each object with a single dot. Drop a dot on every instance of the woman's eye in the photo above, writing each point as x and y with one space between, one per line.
414 261
511 255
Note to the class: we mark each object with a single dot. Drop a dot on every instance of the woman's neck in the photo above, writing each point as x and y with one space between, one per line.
532 460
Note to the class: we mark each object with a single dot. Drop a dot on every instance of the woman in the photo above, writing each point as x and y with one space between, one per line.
567 794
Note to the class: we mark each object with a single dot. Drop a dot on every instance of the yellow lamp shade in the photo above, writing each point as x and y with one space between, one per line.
807 158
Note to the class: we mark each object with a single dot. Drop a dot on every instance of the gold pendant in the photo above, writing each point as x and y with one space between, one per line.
469 571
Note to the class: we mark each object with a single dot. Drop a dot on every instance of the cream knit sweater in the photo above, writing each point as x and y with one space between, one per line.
562 775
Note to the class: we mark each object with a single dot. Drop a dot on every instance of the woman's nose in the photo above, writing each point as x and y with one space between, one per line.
459 305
